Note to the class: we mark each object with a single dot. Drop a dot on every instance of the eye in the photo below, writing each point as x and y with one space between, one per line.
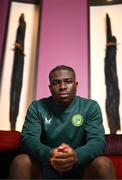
68 81
55 82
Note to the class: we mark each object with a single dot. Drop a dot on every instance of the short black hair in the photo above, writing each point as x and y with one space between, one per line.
61 67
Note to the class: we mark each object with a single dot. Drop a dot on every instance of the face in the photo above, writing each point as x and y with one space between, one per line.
63 86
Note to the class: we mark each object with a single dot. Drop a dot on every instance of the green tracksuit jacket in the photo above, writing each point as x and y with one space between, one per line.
48 124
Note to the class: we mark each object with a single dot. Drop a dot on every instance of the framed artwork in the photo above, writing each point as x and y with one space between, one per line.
18 72
105 36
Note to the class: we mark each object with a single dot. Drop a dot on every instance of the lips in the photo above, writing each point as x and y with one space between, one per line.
63 94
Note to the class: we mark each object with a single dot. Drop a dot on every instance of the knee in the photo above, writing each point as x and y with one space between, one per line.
101 168
103 163
22 160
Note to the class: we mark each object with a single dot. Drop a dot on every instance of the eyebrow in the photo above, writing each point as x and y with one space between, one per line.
62 79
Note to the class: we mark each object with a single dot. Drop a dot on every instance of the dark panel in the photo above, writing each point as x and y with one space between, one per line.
28 1
103 2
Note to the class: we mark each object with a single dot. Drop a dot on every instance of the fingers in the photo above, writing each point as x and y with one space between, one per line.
62 161
61 155
62 165
64 147
63 158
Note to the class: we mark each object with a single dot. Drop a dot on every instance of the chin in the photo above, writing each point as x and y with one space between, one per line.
65 101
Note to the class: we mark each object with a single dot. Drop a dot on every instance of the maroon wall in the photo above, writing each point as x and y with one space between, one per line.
3 17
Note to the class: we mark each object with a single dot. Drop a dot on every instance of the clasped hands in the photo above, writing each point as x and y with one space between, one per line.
63 158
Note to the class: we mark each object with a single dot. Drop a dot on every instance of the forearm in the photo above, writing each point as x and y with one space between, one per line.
94 136
90 151
36 149
31 136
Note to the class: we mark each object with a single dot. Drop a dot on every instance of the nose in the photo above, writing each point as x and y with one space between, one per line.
62 85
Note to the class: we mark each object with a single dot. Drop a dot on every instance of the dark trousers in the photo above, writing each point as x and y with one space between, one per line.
50 173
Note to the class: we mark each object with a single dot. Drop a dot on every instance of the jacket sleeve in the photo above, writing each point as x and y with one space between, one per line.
95 136
31 136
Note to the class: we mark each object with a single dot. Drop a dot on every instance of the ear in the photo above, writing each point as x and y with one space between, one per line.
49 87
76 83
